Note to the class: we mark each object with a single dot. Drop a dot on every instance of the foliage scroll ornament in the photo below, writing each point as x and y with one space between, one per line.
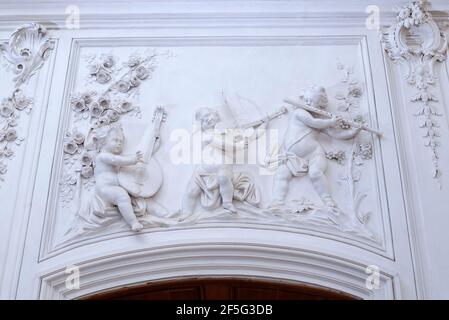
26 51
416 40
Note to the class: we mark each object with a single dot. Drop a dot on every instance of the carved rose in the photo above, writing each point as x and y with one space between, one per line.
104 102
7 108
404 13
103 121
126 106
86 159
103 76
142 73
71 147
113 115
135 81
78 138
133 61
96 110
88 97
109 62
78 104
418 15
11 134
123 86
87 172
20 100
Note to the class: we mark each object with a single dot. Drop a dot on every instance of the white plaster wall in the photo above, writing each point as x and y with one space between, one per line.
410 209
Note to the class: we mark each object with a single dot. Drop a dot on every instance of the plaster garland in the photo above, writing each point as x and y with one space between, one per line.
415 22
27 50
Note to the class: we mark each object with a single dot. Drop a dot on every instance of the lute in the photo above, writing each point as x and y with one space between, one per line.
144 179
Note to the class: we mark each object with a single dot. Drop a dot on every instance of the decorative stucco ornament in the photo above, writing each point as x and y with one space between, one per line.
416 41
27 50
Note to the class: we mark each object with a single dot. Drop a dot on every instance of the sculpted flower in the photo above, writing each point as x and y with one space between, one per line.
113 115
78 137
126 106
86 159
103 76
70 147
103 121
94 68
2 135
11 134
96 110
20 100
123 86
78 104
109 62
405 13
87 97
87 172
104 102
135 81
142 72
133 61
7 108
418 15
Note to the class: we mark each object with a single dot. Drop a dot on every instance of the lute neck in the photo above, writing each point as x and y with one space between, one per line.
148 141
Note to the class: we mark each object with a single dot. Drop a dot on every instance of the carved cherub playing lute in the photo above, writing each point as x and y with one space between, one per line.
144 179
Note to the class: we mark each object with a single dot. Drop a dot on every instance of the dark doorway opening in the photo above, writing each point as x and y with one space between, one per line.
221 289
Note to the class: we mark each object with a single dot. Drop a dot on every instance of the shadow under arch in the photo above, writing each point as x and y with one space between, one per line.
221 288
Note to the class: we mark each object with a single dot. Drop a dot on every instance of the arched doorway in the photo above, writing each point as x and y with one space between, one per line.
221 289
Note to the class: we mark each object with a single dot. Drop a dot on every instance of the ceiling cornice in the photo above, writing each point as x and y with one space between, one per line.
210 13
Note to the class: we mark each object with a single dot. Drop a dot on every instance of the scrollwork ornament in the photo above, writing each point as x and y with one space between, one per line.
27 50
399 42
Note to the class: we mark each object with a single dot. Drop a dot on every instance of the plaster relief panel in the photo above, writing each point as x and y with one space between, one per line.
258 133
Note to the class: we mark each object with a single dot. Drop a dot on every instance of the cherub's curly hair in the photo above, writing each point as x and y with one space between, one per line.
97 137
200 113
316 90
